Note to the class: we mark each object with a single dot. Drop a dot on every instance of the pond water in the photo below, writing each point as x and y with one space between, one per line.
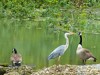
36 42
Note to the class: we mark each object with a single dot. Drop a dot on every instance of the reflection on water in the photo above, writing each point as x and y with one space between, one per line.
36 43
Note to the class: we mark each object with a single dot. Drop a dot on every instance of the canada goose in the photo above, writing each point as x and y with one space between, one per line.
60 49
15 58
84 53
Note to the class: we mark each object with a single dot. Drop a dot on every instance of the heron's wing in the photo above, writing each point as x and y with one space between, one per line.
57 52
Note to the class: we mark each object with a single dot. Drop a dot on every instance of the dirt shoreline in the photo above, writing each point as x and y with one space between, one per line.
53 70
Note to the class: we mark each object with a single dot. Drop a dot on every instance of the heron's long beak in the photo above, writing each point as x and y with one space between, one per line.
71 33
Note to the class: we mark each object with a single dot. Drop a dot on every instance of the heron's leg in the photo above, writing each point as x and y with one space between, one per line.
57 65
58 60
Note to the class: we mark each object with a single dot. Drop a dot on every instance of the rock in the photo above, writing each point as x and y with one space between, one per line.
69 70
53 70
12 73
2 70
22 70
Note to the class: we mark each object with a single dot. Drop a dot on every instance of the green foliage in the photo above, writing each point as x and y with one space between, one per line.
60 15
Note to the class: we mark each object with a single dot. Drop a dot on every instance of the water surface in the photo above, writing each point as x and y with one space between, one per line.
35 42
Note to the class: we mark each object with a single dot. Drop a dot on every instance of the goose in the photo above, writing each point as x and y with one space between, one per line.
84 53
16 58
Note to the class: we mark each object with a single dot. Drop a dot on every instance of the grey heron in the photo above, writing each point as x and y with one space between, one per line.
16 58
84 53
60 50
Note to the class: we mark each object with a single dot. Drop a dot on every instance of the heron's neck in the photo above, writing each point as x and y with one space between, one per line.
67 41
80 40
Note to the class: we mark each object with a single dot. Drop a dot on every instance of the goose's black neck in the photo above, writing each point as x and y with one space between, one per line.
15 51
80 39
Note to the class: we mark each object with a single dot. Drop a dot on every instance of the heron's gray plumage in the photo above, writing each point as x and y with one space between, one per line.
61 49
57 52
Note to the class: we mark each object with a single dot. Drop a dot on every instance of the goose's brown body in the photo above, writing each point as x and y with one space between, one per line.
16 58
